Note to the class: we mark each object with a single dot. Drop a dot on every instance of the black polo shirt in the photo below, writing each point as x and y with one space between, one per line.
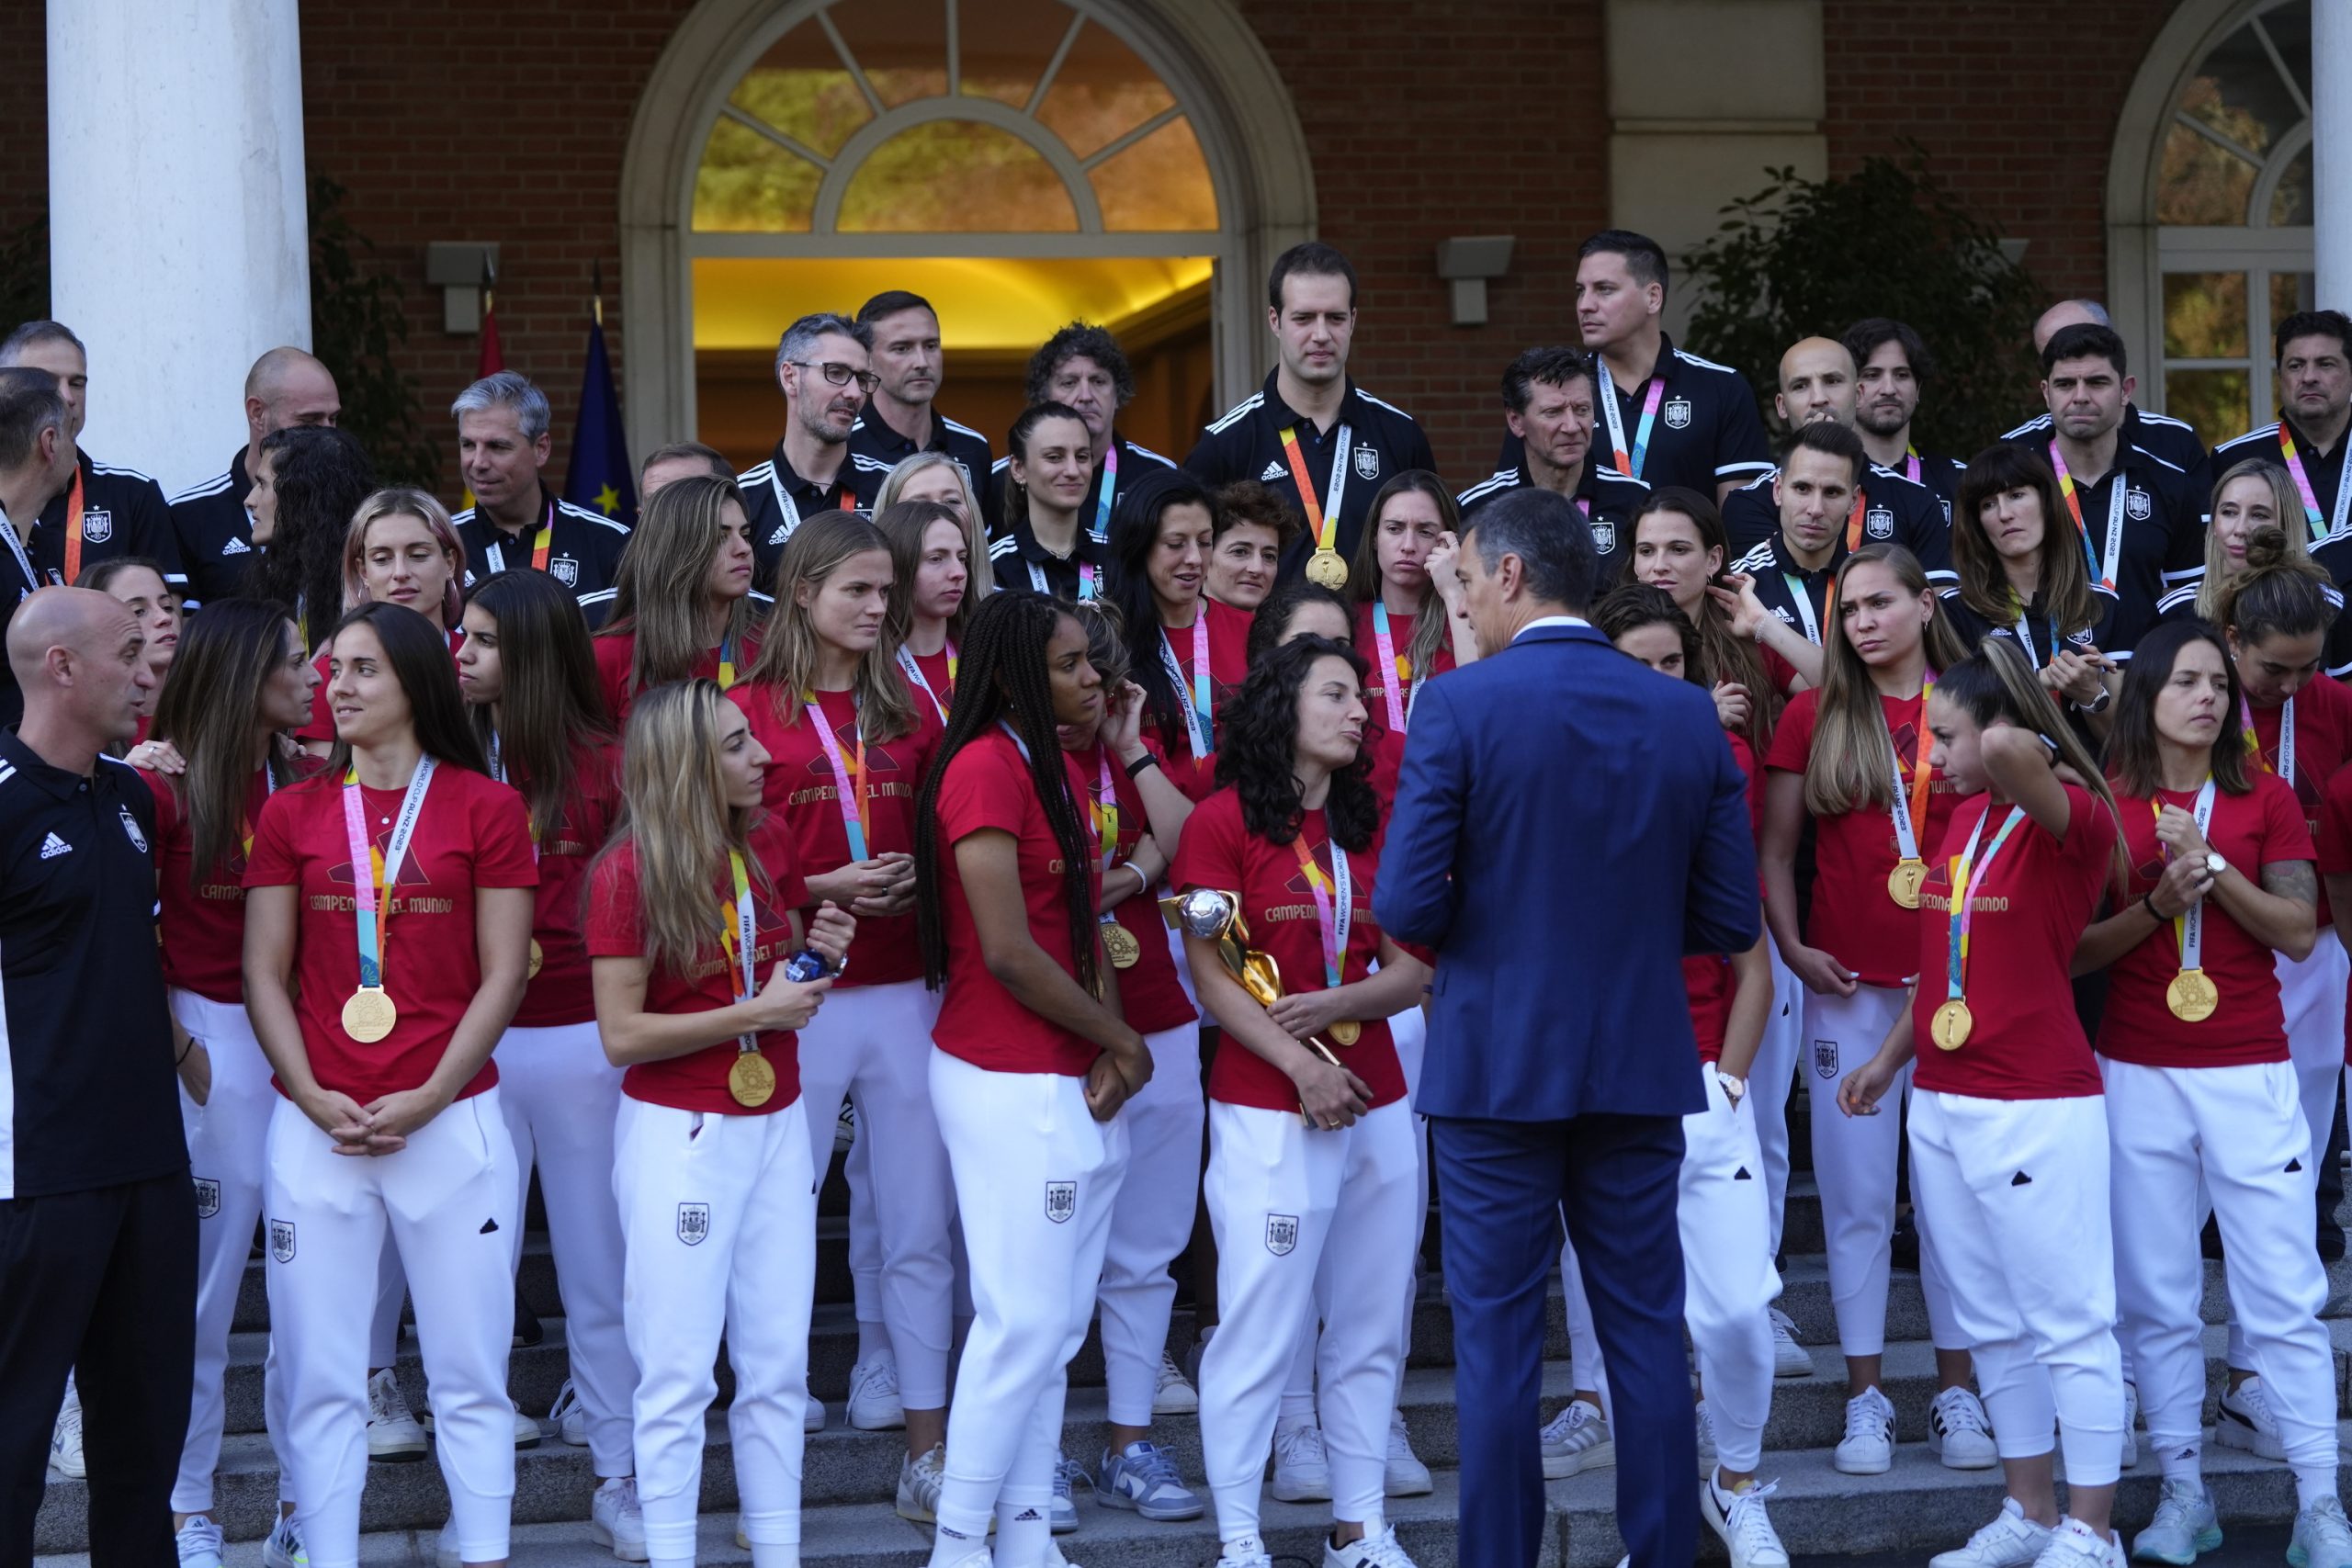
775 500
1799 597
875 448
2162 534
1606 497
1974 628
216 533
2173 440
1894 510
123 513
1246 443
19 580
86 1043
1940 474
1707 428
2331 487
583 552
1133 462
1019 561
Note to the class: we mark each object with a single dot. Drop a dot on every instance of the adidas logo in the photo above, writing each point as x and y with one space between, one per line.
53 847
237 548
780 536
1026 1515
1273 471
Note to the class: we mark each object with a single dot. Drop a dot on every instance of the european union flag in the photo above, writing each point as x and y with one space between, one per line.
599 477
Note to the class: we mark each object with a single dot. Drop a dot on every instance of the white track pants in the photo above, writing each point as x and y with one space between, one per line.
1150 1222
2313 994
719 1217
1036 1178
448 1202
2238 1134
1772 1078
2016 1190
1854 1166
873 1043
560 1098
228 1156
1305 1217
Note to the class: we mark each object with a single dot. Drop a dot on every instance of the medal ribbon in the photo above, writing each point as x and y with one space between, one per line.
2025 633
848 502
498 772
1398 671
1322 516
2322 525
727 664
545 542
739 931
74 529
1629 463
1334 906
1110 490
913 668
849 780
2114 520
1805 606
1911 469
1085 580
2286 768
24 562
1106 814
372 888
2188 926
1199 727
1911 819
1964 885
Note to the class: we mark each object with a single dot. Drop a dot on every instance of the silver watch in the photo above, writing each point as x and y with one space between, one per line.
2215 864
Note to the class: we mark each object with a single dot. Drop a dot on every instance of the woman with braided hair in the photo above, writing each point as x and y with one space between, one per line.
1034 1058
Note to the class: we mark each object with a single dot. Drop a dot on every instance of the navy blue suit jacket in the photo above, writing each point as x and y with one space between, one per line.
1568 824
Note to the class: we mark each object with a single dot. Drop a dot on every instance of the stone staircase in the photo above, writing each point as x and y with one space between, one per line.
850 1475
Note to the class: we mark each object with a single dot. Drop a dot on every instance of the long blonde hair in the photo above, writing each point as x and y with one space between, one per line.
435 516
788 653
676 814
658 593
2288 501
975 541
1852 764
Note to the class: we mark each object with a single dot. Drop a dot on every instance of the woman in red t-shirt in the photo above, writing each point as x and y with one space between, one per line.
692 916
683 606
1745 651
1158 551
1254 527
243 682
530 686
1034 1056
932 595
1408 621
1852 755
388 933
849 741
1313 1169
400 549
2200 1088
2008 1131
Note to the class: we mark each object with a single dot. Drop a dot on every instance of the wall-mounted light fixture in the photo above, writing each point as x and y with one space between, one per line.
461 269
1467 263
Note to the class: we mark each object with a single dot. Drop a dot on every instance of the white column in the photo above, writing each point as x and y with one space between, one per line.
179 247
2331 150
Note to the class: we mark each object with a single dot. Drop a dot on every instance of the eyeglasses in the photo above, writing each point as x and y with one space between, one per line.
842 375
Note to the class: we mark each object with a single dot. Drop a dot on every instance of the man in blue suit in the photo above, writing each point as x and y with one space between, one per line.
1568 825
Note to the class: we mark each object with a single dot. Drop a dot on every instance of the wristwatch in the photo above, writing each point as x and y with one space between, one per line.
1735 1090
2215 864
2099 703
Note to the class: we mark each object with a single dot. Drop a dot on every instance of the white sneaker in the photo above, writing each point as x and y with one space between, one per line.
1302 1469
2183 1530
65 1438
2011 1540
1378 1549
2242 1420
1747 1530
526 1430
1706 1425
1959 1433
444 1548
874 1402
394 1434
615 1519
198 1542
2074 1544
1575 1441
1408 1476
1867 1447
1790 1360
1067 1474
812 1411
567 1416
1248 1551
919 1483
1174 1396
845 1127
2323 1538
284 1548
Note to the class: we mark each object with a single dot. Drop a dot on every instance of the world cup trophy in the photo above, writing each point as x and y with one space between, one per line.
1216 917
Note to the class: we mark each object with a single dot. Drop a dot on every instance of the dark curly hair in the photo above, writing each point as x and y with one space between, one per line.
1260 745
321 474
1273 616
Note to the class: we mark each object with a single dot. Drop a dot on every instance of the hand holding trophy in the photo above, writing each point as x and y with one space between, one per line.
1216 917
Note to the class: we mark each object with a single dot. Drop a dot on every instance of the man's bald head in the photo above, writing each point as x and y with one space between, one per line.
1816 383
78 656
77 620
287 387
2068 313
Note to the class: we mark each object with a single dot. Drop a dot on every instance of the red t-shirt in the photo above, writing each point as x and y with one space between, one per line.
939 675
1229 649
1278 903
1777 670
1195 775
2323 741
1707 977
1400 637
1853 918
987 787
204 925
698 1081
2336 851
321 724
562 992
1150 996
2030 910
616 650
799 789
2260 828
472 832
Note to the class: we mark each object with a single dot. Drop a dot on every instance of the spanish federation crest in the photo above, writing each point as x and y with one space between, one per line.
281 1240
97 525
1678 413
130 825
693 1224
208 1196
1878 522
1282 1234
1367 461
1604 534
564 569
2138 504
1825 1058
1061 1201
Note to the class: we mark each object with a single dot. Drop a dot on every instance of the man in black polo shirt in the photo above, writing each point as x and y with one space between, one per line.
37 463
2135 516
1547 402
2173 440
2313 350
284 388
821 364
902 418
1892 366
1795 565
679 460
1082 367
105 510
1309 431
516 520
98 1222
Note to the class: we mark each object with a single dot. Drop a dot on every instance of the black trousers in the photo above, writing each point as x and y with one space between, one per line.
101 1283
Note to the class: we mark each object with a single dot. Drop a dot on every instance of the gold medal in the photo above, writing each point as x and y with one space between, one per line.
1326 569
368 1014
2192 996
1345 1031
1903 884
751 1080
1952 1025
537 959
1121 944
